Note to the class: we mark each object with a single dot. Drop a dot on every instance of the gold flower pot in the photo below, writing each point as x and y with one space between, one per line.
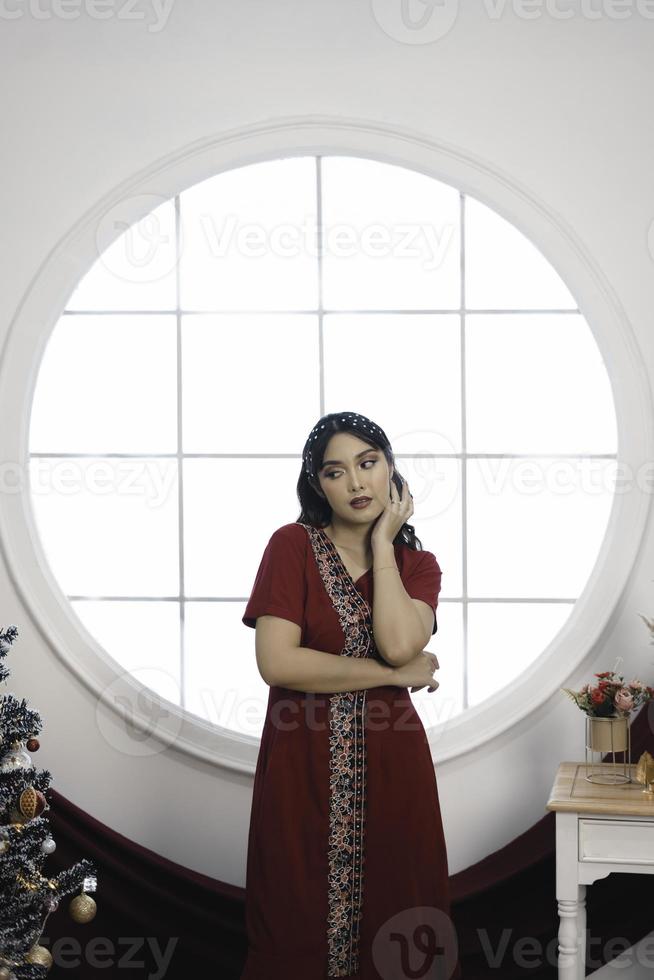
612 737
608 734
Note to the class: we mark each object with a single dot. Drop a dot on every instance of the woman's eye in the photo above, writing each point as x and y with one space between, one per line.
336 472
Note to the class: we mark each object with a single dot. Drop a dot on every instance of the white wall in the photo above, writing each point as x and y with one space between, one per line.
561 106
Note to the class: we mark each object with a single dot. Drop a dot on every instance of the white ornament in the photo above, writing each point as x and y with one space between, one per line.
16 758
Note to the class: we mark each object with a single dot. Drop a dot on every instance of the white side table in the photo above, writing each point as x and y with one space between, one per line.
600 829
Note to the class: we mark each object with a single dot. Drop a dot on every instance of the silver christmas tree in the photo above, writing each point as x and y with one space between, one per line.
27 895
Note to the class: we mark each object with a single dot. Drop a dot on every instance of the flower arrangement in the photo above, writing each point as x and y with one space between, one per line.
610 697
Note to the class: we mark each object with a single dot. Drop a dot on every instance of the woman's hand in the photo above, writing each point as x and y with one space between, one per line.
396 512
418 672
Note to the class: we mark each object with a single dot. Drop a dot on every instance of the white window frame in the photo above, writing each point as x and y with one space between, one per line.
74 255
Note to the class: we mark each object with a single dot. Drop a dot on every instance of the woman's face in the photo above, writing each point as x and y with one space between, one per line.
353 468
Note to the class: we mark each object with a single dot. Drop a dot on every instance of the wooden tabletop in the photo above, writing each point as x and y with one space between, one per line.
573 792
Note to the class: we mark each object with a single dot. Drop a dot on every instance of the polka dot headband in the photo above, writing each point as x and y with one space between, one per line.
359 421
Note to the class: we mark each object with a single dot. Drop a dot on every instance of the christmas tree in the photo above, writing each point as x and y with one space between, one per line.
27 896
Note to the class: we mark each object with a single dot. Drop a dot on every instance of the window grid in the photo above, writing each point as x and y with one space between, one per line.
180 467
320 312
324 311
464 450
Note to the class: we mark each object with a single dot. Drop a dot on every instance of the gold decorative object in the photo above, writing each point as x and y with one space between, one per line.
82 908
610 736
32 802
36 882
39 956
645 769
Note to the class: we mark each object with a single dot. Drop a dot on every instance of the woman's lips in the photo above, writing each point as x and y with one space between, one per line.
360 504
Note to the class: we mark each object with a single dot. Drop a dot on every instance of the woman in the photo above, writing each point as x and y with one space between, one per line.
347 868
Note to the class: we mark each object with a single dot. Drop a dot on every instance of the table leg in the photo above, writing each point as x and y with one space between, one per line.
571 898
569 946
581 922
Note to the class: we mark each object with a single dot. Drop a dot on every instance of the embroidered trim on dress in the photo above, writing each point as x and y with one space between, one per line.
347 755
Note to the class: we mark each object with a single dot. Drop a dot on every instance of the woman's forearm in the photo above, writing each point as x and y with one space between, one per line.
317 672
397 626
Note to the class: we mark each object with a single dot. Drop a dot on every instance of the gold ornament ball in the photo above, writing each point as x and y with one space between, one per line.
4 973
39 956
82 908
31 802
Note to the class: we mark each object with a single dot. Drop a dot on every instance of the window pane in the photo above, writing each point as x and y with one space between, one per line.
232 366
222 681
108 526
446 701
107 384
504 638
436 488
424 401
231 508
143 637
138 270
535 526
504 270
391 237
537 384
249 239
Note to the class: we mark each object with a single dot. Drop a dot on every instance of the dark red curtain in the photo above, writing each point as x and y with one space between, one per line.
162 920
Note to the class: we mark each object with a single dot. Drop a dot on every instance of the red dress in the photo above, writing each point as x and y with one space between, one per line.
347 870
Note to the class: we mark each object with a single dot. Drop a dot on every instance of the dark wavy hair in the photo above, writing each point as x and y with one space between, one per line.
314 508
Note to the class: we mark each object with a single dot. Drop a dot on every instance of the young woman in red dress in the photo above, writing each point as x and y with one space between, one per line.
347 871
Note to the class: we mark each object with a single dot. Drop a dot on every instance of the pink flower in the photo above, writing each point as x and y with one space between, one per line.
624 700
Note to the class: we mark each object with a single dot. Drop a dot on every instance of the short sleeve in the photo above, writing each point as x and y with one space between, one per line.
423 580
280 585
